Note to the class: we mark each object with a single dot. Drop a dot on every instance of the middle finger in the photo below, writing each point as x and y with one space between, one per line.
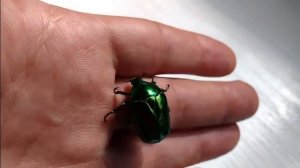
198 103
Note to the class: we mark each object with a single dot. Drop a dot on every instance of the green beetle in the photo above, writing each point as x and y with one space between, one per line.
149 109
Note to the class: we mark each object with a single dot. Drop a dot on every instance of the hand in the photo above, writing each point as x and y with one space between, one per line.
58 71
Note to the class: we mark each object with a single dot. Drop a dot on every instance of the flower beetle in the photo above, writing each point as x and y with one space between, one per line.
149 110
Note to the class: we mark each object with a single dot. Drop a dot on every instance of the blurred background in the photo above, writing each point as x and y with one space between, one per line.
265 35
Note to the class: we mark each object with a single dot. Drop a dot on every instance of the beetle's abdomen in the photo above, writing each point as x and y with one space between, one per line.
152 118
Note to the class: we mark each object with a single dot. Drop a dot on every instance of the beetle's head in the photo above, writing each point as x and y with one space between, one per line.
136 80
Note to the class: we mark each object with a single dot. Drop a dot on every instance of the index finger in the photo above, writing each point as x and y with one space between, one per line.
142 46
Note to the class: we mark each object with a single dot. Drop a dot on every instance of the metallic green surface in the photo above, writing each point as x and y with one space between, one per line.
150 110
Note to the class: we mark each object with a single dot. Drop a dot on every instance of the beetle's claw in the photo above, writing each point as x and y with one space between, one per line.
120 92
106 115
164 90
115 89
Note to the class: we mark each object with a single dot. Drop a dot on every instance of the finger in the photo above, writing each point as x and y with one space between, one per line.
199 104
189 147
142 46
196 104
148 47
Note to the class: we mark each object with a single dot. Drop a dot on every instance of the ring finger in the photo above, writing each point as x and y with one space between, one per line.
198 103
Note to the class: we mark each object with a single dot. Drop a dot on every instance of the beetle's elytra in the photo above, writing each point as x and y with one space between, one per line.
149 110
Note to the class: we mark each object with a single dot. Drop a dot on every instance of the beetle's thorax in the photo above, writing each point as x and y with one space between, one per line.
136 81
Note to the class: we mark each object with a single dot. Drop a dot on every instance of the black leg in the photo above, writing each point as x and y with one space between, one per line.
152 80
114 111
120 92
164 90
106 115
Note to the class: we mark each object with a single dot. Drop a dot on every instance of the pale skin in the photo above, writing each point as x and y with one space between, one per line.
58 72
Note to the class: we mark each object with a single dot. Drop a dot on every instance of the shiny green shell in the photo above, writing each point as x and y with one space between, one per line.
150 110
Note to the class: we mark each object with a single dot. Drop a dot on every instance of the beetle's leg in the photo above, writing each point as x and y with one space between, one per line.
120 92
128 80
164 90
114 111
152 80
106 115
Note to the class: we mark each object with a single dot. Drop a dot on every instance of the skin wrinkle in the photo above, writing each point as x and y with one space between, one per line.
79 164
16 98
193 48
10 103
81 59
201 55
204 55
224 93
45 132
162 154
208 54
181 161
165 50
11 60
37 136
235 99
112 46
202 151
46 53
32 143
59 120
53 27
83 64
232 132
224 101
47 39
251 104
79 137
182 106
30 63
26 150
133 50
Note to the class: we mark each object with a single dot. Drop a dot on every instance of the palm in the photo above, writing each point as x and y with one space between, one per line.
58 79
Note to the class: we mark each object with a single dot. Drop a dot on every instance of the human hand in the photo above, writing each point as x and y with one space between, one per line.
58 71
